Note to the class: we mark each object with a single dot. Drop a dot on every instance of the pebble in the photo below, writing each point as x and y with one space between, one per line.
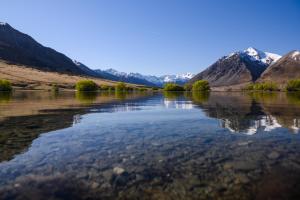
244 143
95 185
273 155
118 170
242 178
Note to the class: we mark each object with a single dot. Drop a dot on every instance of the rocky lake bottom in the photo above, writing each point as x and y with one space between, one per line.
150 146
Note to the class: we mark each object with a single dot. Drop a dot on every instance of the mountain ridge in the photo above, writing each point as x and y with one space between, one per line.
238 68
158 81
19 48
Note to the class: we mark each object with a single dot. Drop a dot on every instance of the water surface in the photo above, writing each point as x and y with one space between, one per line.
149 145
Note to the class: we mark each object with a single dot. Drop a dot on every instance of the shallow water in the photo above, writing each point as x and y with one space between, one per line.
149 146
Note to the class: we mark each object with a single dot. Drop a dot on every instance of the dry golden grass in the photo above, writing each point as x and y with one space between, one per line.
29 78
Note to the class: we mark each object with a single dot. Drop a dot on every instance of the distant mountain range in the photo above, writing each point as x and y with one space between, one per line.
251 65
150 80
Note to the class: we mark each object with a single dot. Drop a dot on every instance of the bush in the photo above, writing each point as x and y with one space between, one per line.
104 87
129 88
86 85
249 87
266 86
173 87
142 89
188 87
120 86
201 85
55 88
5 85
270 86
293 85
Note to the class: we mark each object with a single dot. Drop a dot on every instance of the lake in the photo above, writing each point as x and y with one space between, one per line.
154 145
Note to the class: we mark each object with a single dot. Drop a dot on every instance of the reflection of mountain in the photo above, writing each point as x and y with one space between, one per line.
250 114
17 133
34 113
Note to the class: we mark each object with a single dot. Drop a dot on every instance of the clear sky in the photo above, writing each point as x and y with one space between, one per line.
156 36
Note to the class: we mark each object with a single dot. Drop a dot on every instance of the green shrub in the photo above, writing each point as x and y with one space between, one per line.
188 87
172 87
5 85
129 88
104 87
142 89
86 85
293 85
120 86
55 88
201 85
270 86
266 86
249 87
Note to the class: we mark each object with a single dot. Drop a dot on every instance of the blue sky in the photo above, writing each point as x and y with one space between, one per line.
156 36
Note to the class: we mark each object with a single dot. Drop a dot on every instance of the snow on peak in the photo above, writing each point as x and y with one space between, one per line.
76 62
296 55
264 57
178 77
158 80
115 72
257 55
3 23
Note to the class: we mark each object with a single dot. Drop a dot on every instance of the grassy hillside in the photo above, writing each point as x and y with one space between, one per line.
28 78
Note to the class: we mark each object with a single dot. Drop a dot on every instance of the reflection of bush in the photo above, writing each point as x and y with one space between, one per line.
121 94
293 97
86 97
172 95
267 97
5 97
200 97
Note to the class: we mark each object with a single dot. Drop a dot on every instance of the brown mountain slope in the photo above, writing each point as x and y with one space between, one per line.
237 69
286 68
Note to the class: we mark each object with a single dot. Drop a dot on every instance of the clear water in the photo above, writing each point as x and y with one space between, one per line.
149 146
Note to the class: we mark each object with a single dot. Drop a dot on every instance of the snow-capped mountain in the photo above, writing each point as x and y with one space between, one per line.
150 80
257 55
238 68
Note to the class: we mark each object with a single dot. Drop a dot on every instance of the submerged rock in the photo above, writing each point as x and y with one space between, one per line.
273 155
118 170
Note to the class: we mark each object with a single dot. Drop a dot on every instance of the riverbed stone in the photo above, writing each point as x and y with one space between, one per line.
273 155
118 170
